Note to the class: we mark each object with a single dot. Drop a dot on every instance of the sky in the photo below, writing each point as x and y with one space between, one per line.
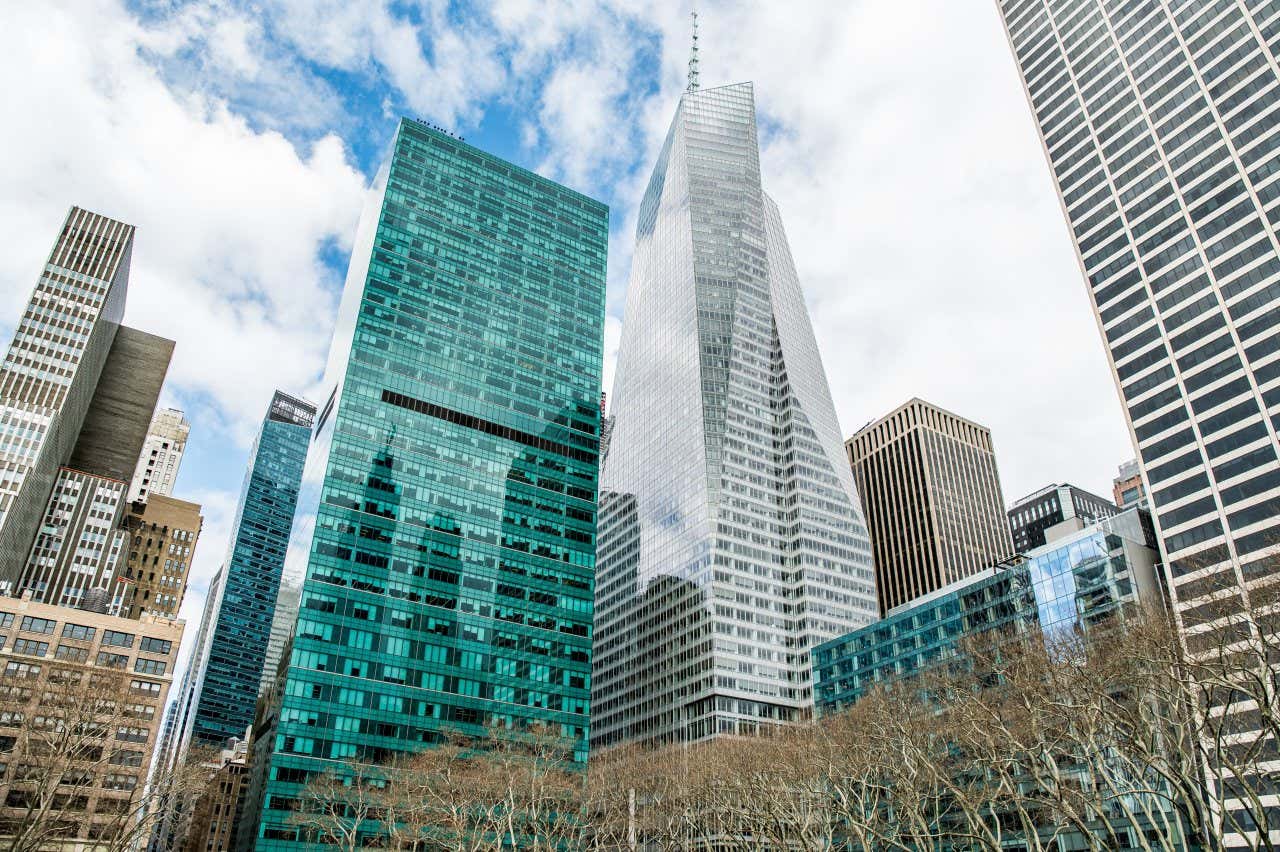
240 137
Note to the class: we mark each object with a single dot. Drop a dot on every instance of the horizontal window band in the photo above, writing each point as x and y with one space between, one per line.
488 427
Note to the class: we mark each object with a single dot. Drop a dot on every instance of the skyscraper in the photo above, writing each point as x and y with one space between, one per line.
51 370
161 455
446 537
731 541
1159 124
228 670
931 494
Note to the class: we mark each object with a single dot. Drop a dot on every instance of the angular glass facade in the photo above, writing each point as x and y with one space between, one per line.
731 540
230 667
1067 585
445 542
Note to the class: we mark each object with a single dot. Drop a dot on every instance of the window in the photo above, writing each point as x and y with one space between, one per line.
72 654
15 669
108 660
151 667
78 631
30 646
37 625
155 646
117 639
145 687
125 757
131 734
119 781
6 619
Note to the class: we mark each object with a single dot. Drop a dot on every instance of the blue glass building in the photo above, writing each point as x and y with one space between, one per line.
1089 575
229 668
444 550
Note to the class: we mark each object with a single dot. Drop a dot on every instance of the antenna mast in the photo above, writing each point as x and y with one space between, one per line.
693 54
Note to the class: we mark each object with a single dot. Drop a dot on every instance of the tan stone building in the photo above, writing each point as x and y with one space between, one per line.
163 534
213 819
931 496
81 701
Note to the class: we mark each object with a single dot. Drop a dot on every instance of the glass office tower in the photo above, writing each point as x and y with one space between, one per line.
1160 124
446 536
731 539
229 668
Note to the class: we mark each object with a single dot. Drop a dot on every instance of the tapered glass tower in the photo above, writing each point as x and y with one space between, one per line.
446 532
731 539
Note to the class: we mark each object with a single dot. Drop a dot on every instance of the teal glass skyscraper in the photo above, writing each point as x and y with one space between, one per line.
445 539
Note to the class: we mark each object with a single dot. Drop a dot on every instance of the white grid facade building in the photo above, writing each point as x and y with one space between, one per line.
1161 123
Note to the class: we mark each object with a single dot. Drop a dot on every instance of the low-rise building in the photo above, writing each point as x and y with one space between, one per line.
217 811
1085 573
81 701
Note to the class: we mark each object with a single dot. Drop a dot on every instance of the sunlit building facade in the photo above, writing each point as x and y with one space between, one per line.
1161 124
731 540
445 540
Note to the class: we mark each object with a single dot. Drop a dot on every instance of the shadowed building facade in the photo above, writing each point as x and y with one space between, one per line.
731 541
445 539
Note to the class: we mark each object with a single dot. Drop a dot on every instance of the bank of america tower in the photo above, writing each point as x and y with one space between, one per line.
731 540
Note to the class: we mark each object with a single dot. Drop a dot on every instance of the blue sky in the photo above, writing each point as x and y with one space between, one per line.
240 138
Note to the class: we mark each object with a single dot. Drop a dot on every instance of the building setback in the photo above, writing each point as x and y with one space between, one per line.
445 539
731 541
931 496
51 370
1031 516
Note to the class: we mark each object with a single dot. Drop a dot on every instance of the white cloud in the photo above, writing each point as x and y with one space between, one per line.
930 245
896 141
230 220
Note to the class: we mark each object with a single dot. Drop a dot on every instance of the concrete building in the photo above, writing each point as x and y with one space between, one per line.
1128 487
157 467
64 669
931 495
51 370
80 545
1031 516
1158 125
162 534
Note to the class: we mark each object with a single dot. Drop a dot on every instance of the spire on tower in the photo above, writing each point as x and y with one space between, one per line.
693 55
